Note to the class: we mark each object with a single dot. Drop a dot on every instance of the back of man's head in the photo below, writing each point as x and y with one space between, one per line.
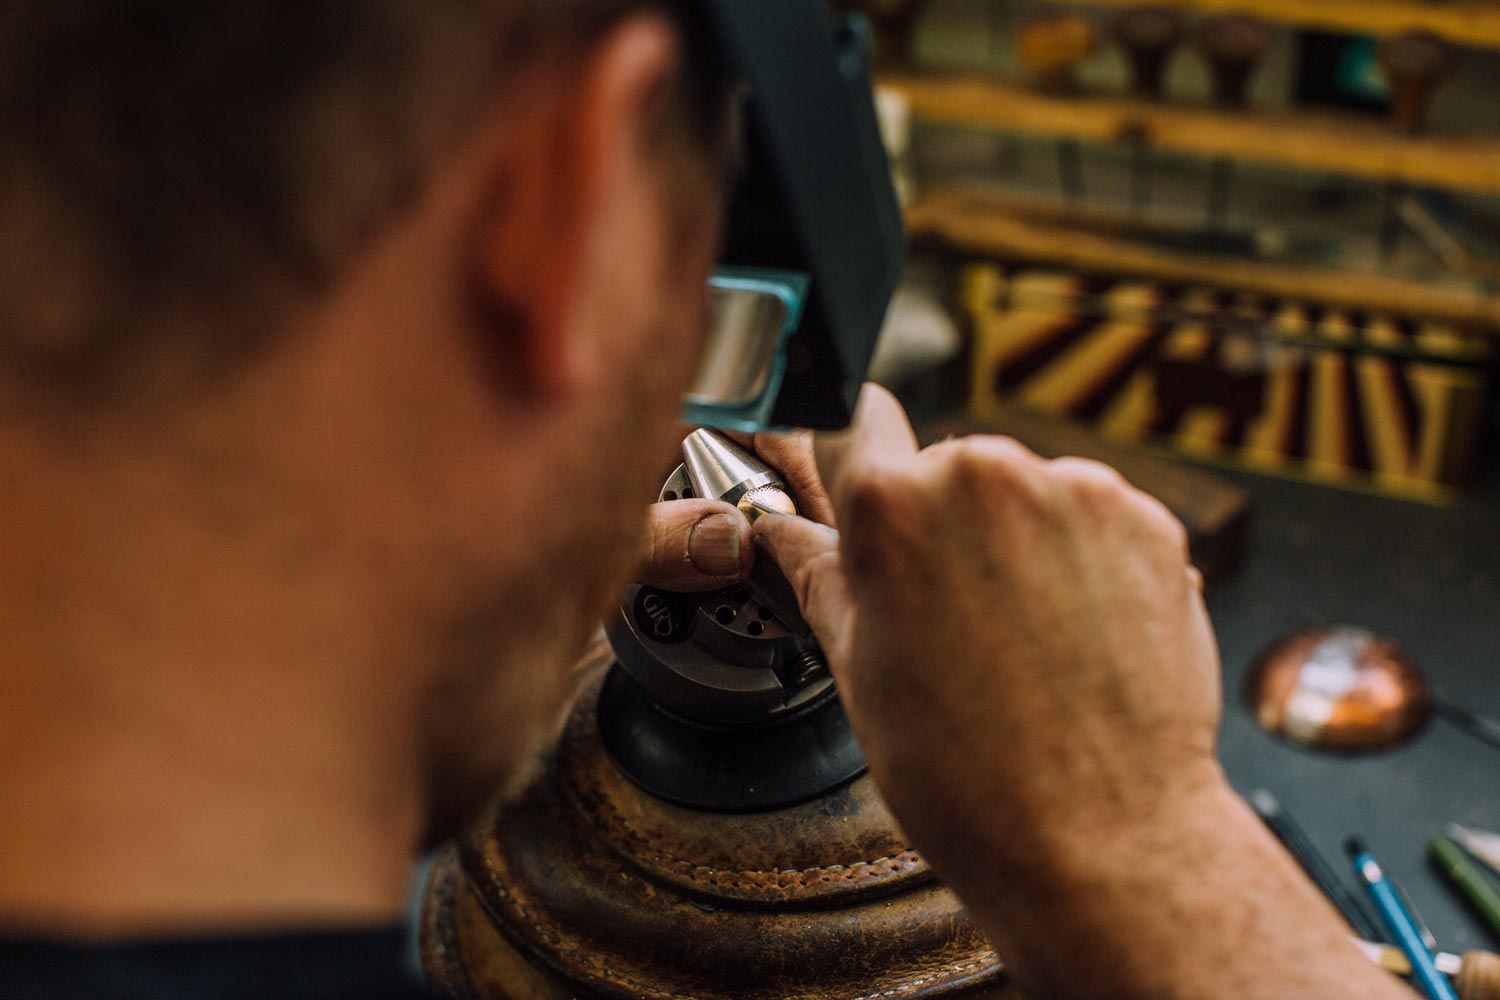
173 160
335 340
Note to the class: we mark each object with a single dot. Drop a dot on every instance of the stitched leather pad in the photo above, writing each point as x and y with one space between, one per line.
583 885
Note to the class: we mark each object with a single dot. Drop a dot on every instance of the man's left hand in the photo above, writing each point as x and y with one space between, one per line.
697 545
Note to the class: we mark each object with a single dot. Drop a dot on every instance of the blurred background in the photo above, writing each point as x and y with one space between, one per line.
1247 251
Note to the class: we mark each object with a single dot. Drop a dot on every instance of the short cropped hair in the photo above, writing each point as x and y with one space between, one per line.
224 157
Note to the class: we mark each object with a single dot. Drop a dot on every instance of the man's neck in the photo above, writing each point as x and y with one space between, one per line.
141 660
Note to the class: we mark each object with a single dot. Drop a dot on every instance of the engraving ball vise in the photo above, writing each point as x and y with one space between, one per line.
704 827
723 700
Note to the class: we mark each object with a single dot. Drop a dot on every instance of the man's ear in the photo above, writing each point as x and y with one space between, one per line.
576 135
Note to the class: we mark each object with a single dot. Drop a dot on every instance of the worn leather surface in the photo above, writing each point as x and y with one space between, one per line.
584 886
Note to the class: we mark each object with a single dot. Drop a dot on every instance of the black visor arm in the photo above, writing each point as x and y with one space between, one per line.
816 194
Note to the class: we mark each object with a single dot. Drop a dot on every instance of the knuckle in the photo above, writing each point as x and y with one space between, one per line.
668 536
1164 526
1091 482
1103 494
985 464
1176 534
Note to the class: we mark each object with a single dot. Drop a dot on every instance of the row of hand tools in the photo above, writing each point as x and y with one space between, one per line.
1234 47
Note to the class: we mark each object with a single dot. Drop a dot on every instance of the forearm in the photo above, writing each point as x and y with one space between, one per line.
1202 904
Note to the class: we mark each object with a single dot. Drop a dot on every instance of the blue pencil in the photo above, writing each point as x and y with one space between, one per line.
1402 927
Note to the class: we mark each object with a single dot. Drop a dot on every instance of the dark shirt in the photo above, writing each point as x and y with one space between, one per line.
318 965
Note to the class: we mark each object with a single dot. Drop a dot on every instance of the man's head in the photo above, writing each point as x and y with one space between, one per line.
177 157
353 329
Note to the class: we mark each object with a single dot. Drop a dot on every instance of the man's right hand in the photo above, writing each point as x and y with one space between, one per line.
1033 626
1025 657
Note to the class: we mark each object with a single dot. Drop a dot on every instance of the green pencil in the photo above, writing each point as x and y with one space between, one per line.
1469 879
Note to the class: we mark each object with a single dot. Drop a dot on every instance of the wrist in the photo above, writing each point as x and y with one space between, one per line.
1097 843
1198 900
1080 879
1053 846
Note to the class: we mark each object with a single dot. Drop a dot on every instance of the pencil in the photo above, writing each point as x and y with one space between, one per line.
1467 878
1403 929
1289 832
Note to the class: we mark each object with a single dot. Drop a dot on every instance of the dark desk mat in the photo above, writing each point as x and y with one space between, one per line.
1430 578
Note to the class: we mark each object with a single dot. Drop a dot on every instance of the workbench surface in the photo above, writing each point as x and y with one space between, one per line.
1428 577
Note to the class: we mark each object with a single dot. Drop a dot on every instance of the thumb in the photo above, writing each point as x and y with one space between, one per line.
694 545
808 555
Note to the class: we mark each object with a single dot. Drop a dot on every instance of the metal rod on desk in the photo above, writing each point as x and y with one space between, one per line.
1413 63
1300 847
1482 729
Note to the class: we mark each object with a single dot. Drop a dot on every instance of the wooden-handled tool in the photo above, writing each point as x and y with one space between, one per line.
1234 45
1147 35
1476 974
1051 48
1414 63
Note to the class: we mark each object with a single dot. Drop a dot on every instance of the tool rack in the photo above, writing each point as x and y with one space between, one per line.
1463 22
982 220
1381 382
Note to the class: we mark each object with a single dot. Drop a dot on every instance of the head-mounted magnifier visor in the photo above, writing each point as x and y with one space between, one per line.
814 245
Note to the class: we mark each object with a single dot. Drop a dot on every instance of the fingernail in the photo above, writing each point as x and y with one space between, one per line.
714 545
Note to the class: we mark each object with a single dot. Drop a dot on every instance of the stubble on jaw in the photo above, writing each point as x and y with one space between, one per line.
504 648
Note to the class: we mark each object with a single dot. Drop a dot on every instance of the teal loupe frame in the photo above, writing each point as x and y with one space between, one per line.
754 312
